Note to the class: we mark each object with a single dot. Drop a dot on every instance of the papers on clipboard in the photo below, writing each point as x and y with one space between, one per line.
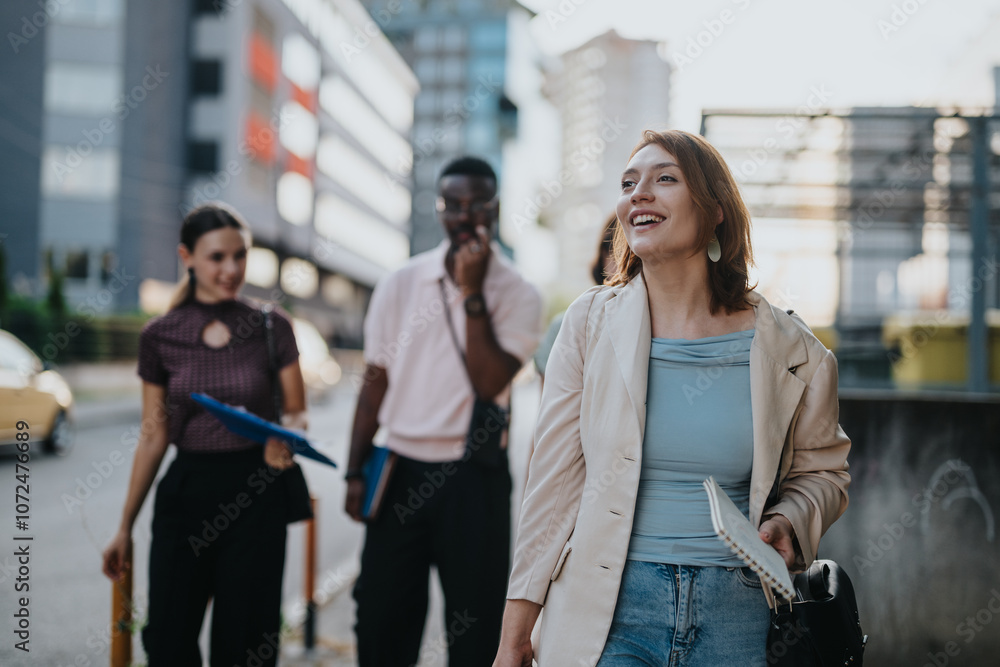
740 536
250 426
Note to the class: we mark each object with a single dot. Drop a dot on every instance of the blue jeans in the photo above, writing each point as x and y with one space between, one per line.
681 615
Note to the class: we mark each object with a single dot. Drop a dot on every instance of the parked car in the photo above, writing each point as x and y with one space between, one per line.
33 393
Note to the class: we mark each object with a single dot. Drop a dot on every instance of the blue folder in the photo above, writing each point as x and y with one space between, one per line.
377 471
250 426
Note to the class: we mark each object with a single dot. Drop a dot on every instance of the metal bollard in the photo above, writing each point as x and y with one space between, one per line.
309 630
121 615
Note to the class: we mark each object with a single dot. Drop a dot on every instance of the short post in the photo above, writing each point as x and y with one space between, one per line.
121 615
309 632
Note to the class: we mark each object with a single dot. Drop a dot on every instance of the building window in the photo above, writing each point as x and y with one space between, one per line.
206 77
453 38
92 12
109 262
452 69
300 62
425 39
68 171
426 70
76 264
489 36
81 89
209 6
426 102
202 156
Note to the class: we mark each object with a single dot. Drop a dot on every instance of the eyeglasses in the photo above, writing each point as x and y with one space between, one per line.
451 207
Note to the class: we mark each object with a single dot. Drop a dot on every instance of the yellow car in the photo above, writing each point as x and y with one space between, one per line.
32 393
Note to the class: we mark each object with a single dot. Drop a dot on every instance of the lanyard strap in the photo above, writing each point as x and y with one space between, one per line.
272 360
451 329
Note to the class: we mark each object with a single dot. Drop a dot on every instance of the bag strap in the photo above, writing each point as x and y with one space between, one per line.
454 336
458 348
272 360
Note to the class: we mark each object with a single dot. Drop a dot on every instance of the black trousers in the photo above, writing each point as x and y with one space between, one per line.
455 516
218 532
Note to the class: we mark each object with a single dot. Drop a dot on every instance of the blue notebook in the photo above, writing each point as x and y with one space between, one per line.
377 471
250 426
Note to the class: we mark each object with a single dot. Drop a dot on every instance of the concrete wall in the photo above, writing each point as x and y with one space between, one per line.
919 538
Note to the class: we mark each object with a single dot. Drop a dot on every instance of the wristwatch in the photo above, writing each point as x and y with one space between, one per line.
475 305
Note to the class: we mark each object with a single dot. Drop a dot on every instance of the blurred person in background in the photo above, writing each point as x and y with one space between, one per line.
452 326
603 268
219 519
615 537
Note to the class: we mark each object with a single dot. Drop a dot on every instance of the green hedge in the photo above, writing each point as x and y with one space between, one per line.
62 338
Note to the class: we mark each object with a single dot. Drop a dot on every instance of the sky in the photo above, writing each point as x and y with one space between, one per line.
781 53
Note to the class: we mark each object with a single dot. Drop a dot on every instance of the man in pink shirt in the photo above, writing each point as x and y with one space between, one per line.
441 508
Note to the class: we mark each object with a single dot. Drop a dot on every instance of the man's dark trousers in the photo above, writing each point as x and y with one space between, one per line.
455 516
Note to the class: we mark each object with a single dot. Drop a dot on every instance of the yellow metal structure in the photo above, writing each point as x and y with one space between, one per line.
933 346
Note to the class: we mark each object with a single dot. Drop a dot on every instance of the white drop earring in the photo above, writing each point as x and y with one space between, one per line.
714 249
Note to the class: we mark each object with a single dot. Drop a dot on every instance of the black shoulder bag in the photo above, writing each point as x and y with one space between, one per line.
823 627
820 629
297 505
489 420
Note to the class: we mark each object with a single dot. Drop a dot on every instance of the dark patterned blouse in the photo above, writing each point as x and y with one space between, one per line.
173 354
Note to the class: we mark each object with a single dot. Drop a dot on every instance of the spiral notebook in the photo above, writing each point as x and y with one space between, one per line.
740 536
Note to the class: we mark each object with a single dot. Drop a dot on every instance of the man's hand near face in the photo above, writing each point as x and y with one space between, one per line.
471 259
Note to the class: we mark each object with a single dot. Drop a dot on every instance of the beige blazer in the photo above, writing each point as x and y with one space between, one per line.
576 518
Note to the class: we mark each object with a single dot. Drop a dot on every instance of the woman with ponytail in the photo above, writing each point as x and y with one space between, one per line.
219 518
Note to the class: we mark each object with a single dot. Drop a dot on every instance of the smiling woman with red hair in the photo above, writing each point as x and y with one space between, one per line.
673 372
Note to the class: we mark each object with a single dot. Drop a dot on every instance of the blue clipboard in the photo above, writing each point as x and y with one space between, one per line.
250 426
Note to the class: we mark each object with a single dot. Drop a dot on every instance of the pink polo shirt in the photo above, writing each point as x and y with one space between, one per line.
428 404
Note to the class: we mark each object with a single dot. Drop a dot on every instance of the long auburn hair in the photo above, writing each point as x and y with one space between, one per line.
198 222
711 185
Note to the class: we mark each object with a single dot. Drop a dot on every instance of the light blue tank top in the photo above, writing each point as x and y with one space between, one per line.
698 423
